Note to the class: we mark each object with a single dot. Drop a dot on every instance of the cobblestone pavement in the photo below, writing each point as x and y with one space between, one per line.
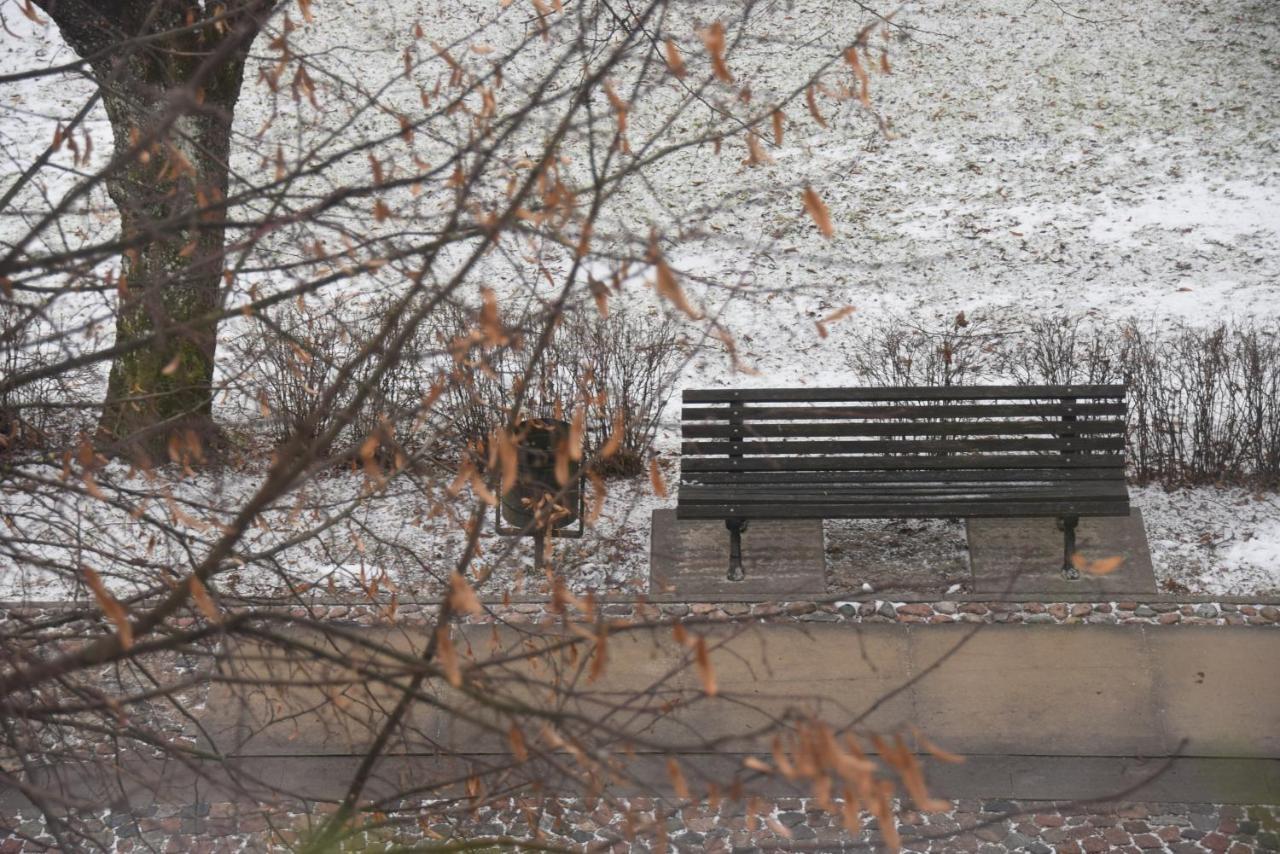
646 825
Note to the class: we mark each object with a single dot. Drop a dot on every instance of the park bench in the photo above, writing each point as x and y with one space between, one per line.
873 453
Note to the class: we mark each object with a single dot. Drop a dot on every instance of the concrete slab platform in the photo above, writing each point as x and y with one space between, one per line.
780 557
328 706
1025 555
1209 686
818 671
1061 690
1052 712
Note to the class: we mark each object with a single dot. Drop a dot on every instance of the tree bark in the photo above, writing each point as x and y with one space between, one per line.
169 205
169 85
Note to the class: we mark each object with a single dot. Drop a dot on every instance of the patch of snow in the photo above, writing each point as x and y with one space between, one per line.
1212 541
1202 212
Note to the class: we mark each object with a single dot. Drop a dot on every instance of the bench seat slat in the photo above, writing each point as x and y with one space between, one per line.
1088 489
822 395
904 510
942 410
1010 476
903 428
902 446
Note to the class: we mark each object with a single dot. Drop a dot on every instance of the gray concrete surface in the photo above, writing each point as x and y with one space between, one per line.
1025 555
690 557
999 691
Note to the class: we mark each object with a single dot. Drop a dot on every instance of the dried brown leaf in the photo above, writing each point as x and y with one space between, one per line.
599 492
577 427
204 601
756 155
833 317
613 444
780 759
674 60
114 611
518 747
678 782
818 212
864 82
665 281
679 634
937 752
462 597
656 480
778 827
811 101
599 657
713 39
448 657
508 459
706 674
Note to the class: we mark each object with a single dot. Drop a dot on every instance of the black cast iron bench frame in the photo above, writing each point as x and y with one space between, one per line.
873 453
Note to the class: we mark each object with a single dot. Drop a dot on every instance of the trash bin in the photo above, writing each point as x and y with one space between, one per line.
538 503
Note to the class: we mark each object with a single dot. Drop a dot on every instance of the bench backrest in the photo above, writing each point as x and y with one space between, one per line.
1075 430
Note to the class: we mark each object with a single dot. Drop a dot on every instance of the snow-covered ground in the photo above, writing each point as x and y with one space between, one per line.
1043 156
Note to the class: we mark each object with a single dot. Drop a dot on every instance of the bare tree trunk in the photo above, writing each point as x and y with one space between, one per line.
169 207
170 87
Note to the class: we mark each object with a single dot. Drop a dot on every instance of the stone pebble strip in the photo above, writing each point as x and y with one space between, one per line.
1121 612
637 825
874 611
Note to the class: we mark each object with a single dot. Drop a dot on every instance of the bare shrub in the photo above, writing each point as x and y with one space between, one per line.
1064 351
1204 404
901 353
629 364
42 414
619 369
300 354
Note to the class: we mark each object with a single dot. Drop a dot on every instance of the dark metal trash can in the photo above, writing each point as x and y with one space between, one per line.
538 504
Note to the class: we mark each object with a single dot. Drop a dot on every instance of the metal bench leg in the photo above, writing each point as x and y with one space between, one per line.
1069 570
736 527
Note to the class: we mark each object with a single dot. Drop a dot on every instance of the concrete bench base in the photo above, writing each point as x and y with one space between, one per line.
688 557
1025 555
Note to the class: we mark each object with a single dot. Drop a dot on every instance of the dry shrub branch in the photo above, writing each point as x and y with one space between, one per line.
1204 402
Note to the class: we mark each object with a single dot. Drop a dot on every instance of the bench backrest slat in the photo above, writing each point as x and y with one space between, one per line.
897 393
802 429
904 446
903 463
910 411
